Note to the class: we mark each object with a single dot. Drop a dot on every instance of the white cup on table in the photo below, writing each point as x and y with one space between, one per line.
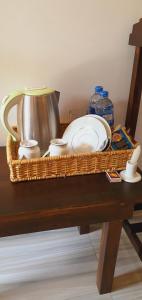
28 149
57 147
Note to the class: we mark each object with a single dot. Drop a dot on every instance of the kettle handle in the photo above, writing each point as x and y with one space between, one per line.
7 103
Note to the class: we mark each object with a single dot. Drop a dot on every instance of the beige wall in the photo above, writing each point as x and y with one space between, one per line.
68 45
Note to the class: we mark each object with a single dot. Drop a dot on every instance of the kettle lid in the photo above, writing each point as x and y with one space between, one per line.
38 91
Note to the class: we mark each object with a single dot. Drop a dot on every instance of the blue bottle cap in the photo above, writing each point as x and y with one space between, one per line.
104 94
98 89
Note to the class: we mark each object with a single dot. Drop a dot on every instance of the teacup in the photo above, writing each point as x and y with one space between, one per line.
28 149
57 147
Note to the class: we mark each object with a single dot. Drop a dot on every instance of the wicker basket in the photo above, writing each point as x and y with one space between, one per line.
61 166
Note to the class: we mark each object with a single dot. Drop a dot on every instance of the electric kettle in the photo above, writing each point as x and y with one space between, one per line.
37 115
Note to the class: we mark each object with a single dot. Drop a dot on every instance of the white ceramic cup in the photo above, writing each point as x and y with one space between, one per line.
57 147
130 169
28 149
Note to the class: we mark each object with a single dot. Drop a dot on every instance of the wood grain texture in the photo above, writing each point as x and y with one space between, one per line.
135 93
108 255
65 202
131 231
131 119
135 38
84 229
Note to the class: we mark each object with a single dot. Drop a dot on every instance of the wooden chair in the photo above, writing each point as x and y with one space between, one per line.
135 39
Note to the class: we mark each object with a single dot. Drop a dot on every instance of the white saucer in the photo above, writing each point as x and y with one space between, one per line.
105 123
86 134
133 179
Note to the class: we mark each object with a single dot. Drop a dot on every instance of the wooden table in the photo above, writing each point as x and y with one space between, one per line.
64 202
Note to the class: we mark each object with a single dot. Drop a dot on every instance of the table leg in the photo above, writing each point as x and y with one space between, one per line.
84 229
108 254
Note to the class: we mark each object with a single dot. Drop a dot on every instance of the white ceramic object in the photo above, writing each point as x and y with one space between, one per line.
57 147
131 174
86 134
29 149
105 123
136 154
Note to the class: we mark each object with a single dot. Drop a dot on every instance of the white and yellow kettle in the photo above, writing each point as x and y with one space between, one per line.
37 115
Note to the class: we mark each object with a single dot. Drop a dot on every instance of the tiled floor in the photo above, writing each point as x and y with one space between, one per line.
61 265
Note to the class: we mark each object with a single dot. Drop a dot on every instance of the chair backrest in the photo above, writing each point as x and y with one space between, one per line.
135 39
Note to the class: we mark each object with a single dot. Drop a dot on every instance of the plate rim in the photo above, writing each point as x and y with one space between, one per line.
69 128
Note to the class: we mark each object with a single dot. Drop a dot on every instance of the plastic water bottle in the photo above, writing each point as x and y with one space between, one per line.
104 108
95 97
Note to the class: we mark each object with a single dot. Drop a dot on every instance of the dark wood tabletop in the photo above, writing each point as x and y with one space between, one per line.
72 201
62 202
69 192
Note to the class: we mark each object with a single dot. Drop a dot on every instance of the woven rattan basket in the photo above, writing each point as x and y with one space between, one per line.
68 165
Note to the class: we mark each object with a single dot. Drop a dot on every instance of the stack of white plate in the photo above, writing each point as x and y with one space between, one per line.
89 133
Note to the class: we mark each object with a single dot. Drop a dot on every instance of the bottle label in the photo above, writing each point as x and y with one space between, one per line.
91 110
108 117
